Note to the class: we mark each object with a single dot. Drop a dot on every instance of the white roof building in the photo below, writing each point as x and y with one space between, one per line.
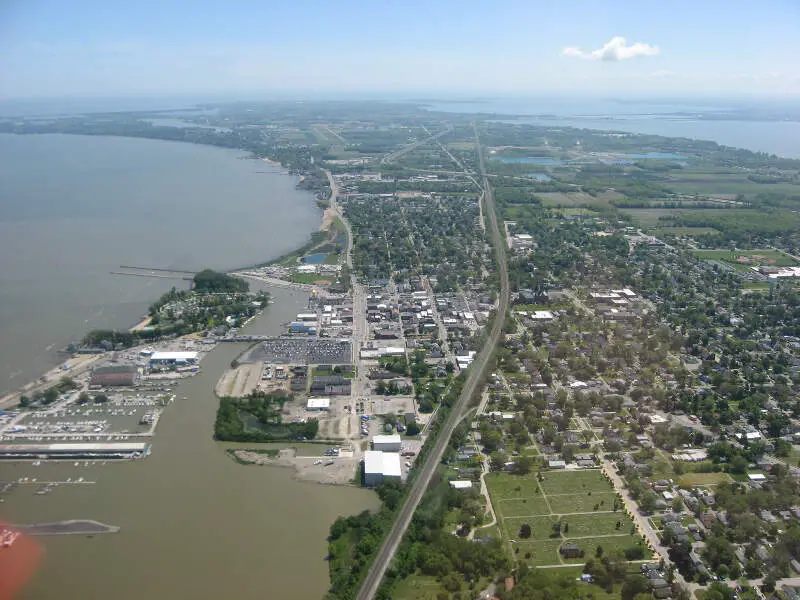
387 443
173 357
541 315
318 404
461 484
380 465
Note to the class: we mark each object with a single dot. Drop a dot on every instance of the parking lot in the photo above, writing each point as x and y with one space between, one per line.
301 351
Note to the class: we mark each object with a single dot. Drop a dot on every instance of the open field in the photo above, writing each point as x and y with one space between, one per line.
570 199
748 258
581 501
568 482
715 183
686 231
651 217
690 480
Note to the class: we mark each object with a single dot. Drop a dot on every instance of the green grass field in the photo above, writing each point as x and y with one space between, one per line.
582 501
520 507
686 231
748 258
715 183
568 482
690 480
570 199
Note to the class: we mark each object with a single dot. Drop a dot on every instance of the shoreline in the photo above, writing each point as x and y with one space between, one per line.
79 363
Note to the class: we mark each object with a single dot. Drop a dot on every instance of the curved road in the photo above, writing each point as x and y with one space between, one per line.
477 373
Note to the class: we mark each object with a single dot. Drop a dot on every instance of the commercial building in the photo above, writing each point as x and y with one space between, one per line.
173 358
318 404
380 466
386 443
114 375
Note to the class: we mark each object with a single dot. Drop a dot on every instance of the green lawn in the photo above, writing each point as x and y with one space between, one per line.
535 505
541 527
690 480
686 231
748 258
571 499
599 524
310 278
581 502
505 485
568 482
542 552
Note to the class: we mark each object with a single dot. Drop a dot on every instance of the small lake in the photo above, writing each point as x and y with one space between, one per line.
315 259
538 176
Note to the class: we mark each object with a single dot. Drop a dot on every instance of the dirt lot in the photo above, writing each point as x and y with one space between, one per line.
239 382
338 470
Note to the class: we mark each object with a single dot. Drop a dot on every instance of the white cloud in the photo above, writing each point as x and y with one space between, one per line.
615 49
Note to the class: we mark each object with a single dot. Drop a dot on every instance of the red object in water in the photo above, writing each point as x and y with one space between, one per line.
19 557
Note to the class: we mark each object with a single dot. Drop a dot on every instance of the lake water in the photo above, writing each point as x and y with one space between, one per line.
776 137
75 208
194 524
315 259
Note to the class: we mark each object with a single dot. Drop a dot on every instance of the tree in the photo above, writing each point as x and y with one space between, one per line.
648 502
100 399
497 461
525 531
412 428
633 585
556 529
739 464
634 553
522 466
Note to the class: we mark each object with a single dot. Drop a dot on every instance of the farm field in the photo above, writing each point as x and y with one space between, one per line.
712 183
580 507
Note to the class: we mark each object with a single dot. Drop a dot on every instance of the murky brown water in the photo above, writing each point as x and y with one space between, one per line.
194 523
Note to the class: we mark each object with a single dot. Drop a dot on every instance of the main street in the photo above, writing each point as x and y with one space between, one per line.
477 374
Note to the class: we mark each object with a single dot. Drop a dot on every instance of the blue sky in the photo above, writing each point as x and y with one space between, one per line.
108 48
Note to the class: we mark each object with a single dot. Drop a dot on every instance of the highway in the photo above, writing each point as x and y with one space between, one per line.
477 374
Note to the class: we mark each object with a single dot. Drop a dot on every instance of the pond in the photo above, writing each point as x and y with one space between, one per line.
538 176
315 259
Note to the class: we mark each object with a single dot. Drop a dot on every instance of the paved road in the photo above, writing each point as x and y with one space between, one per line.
475 378
340 213
410 147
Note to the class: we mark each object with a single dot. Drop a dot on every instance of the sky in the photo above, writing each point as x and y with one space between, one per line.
150 48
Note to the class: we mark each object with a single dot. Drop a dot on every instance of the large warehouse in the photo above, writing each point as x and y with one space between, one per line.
386 443
379 466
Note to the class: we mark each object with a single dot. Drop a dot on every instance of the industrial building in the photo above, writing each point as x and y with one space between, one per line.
72 451
173 358
114 375
386 443
318 404
380 466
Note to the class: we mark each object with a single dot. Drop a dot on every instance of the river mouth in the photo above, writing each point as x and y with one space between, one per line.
193 523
